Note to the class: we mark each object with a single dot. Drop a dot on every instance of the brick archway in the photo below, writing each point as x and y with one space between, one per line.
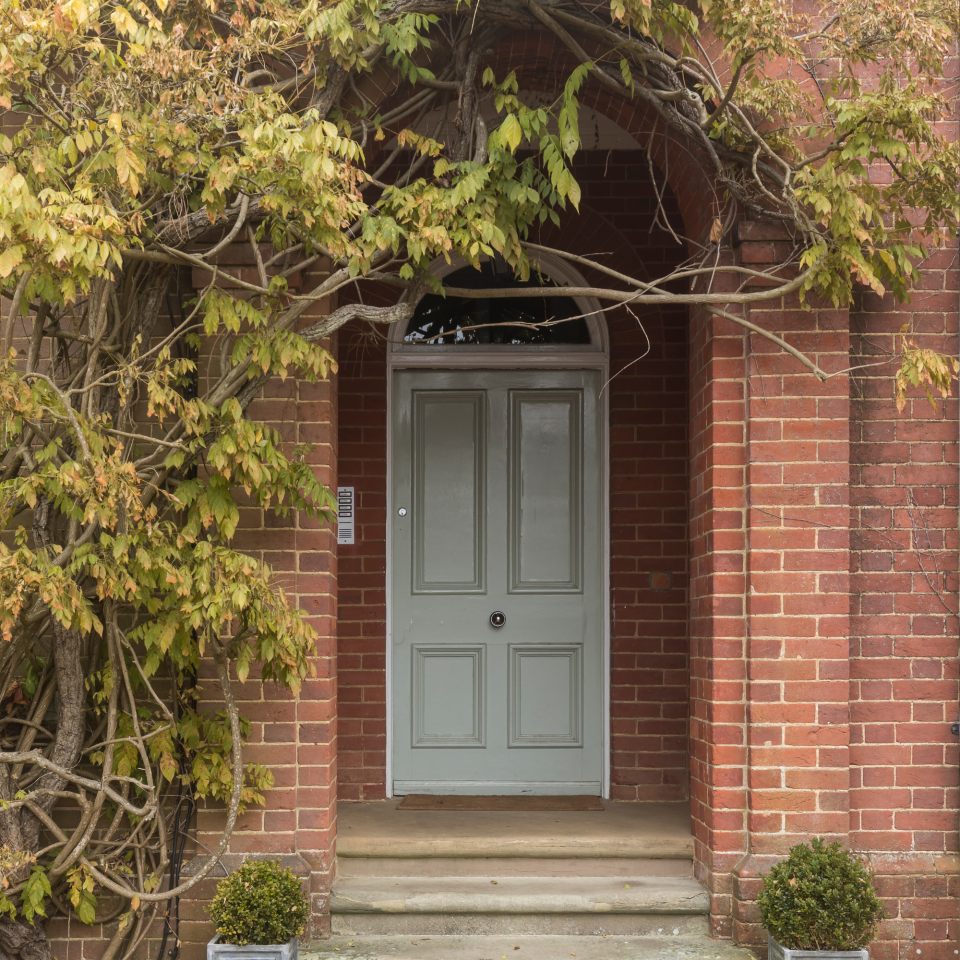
543 64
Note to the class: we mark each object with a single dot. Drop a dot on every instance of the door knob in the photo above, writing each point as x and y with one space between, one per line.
497 619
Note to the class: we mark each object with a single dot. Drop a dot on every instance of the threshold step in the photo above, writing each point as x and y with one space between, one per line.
620 831
354 867
522 895
523 948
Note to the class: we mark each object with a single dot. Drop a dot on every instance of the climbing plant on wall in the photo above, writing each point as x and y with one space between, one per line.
142 138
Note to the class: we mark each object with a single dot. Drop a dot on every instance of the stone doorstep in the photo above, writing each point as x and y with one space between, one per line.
523 948
356 867
517 906
377 829
558 848
626 870
518 925
670 896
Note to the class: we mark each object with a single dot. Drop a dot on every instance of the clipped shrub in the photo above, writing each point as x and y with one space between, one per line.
820 898
261 903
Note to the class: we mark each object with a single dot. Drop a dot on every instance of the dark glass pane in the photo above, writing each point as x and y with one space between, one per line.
456 320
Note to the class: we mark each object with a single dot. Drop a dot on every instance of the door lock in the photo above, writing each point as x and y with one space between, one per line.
497 619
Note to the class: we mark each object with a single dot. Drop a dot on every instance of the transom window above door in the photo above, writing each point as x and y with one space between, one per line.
498 320
502 330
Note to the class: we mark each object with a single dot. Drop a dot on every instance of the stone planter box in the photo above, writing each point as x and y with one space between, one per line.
778 952
229 951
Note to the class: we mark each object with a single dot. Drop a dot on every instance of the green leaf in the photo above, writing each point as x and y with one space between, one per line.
35 890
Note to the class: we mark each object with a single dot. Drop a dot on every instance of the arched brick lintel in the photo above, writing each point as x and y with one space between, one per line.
543 64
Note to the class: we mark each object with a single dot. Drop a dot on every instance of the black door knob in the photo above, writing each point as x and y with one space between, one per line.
497 619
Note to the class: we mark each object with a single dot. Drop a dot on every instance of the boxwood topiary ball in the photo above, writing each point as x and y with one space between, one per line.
261 903
820 898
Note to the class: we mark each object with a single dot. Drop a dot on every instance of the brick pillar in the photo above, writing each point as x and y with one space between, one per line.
294 736
769 594
717 628
797 603
316 708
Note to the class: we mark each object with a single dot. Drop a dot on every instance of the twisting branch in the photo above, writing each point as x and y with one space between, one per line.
821 375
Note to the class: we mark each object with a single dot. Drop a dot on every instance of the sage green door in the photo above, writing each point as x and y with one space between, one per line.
497 508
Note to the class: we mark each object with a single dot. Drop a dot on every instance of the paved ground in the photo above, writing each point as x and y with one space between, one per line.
524 948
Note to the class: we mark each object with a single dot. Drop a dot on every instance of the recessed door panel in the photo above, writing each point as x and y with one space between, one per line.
448 479
496 509
448 698
545 694
545 509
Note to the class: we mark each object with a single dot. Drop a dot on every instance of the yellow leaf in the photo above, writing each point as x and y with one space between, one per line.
510 131
123 21
9 259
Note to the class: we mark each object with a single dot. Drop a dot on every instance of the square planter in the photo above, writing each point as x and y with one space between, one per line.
230 951
779 952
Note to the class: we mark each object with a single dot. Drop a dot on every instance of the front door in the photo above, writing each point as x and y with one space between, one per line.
497 576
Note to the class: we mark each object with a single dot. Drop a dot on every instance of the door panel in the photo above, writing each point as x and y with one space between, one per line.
545 695
448 696
545 466
449 480
498 473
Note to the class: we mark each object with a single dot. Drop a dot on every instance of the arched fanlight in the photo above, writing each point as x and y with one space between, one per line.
446 321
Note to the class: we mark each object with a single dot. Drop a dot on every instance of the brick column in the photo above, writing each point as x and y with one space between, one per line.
717 627
797 599
316 708
294 736
798 613
770 594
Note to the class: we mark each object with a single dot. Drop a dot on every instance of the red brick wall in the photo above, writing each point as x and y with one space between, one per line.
903 603
648 492
296 737
648 457
823 611
362 615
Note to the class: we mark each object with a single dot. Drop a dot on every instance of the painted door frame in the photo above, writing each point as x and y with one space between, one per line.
401 356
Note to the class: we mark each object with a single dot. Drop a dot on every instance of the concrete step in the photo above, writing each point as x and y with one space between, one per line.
660 895
523 948
355 867
573 906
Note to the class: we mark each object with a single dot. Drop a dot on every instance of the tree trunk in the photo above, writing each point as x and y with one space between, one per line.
20 941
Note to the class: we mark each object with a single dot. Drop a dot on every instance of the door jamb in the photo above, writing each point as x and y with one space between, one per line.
466 357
